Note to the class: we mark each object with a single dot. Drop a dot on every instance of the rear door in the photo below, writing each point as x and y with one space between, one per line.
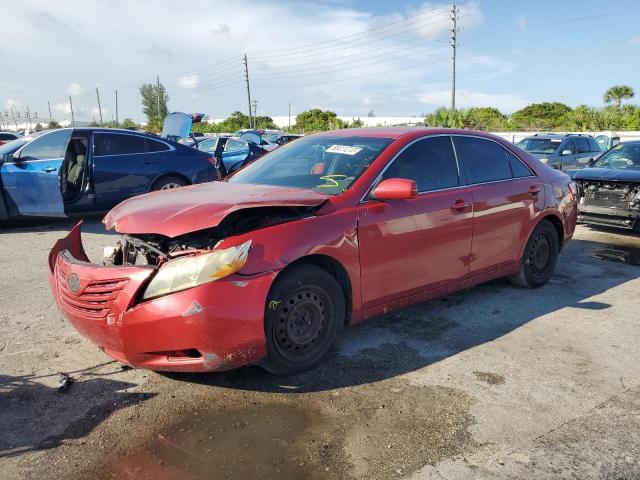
409 246
125 165
506 195
234 154
31 181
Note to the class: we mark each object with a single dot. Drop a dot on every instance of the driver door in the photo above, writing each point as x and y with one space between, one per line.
569 161
31 180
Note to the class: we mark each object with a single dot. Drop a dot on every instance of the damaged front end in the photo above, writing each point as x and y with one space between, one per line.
609 203
163 302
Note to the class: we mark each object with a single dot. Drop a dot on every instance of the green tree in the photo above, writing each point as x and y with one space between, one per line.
317 120
53 124
583 118
484 118
357 123
617 93
444 117
154 105
236 121
38 127
128 123
539 116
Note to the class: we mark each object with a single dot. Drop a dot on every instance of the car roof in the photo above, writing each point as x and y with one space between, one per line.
558 135
397 132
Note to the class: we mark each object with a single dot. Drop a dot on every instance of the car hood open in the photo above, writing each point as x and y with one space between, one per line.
188 209
607 175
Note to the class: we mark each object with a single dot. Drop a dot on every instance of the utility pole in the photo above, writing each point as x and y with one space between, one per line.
289 116
73 120
454 45
158 96
246 78
14 118
99 106
117 122
50 116
29 117
255 114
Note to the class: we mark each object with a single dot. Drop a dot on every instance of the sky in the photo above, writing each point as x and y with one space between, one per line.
352 57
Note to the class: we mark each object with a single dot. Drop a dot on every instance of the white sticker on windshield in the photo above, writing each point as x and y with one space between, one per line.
343 149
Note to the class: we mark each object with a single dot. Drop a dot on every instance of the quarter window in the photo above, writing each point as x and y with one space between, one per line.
518 168
46 147
484 160
430 162
117 144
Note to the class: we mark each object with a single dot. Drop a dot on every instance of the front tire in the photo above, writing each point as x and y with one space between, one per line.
304 315
540 257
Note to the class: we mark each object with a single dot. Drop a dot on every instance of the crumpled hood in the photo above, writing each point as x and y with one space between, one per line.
607 175
188 209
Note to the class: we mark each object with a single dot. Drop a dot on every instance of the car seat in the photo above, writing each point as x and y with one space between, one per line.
75 160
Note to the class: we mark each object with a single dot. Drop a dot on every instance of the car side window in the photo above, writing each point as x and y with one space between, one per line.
569 145
124 144
234 145
582 145
48 146
155 146
484 160
430 162
518 168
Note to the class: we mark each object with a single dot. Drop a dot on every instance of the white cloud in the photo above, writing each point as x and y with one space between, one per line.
74 89
634 40
521 21
506 103
11 103
188 81
62 108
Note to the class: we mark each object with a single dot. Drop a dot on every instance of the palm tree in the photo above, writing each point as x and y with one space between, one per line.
616 93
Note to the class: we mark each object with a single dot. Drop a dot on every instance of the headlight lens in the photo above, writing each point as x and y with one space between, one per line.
190 271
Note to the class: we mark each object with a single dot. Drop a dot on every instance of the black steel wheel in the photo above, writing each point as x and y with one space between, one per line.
540 257
304 315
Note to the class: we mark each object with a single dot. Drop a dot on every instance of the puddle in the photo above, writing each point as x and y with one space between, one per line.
621 254
263 442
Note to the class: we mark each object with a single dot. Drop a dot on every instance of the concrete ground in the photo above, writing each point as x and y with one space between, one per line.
493 382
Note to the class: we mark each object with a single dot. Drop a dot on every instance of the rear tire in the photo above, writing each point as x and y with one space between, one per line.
539 258
168 183
304 315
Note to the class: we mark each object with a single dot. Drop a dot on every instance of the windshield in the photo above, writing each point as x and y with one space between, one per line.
622 156
539 145
322 163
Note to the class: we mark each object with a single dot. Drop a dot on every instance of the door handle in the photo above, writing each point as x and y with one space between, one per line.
460 204
534 190
49 169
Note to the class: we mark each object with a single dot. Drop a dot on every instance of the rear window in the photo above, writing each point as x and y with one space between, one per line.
518 168
123 144
484 160
7 136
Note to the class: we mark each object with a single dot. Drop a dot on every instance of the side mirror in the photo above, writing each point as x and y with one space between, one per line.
566 152
395 189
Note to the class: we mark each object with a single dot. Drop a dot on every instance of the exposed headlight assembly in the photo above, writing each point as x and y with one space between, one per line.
193 270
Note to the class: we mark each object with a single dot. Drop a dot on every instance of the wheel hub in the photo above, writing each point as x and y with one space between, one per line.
540 253
300 322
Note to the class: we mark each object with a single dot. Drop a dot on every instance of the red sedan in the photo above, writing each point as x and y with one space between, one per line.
270 265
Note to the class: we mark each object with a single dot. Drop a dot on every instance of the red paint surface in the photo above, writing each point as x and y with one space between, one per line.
395 253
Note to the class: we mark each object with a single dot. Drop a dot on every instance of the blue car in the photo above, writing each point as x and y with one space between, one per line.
80 170
233 152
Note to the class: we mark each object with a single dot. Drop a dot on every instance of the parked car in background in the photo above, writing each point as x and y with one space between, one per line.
288 137
231 152
7 137
607 140
561 151
79 170
267 140
270 265
609 189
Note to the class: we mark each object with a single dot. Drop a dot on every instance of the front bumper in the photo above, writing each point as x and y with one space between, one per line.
212 327
609 216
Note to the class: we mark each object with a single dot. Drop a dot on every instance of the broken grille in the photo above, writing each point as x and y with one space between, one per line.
95 301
